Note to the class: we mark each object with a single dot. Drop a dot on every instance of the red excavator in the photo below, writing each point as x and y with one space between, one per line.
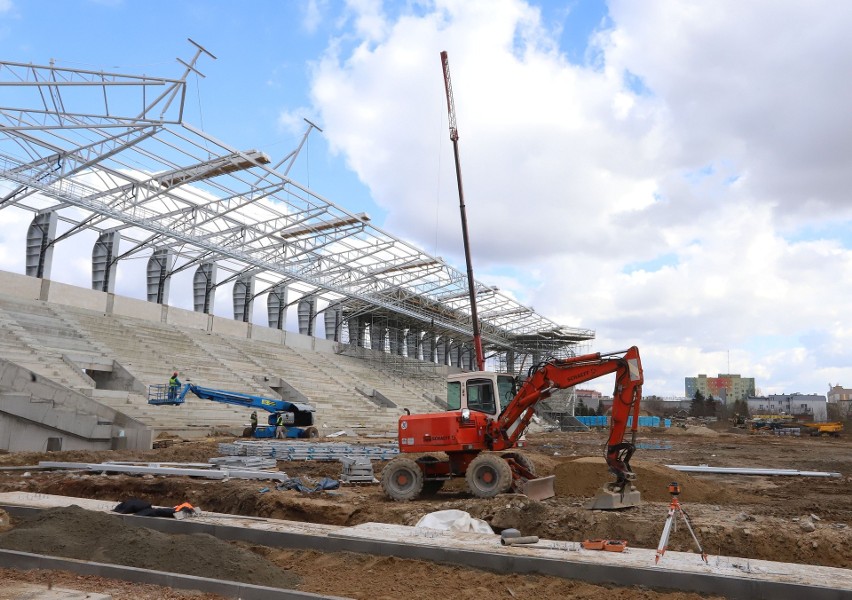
485 417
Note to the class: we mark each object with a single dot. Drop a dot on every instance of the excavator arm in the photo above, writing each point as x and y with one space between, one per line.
557 374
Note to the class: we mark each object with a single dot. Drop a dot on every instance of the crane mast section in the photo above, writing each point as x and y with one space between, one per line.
454 136
451 104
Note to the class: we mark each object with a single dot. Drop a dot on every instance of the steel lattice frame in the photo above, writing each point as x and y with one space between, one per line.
110 151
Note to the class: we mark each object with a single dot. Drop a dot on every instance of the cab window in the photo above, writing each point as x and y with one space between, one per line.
480 396
506 390
453 395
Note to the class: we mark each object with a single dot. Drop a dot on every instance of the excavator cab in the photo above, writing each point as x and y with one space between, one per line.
474 391
481 391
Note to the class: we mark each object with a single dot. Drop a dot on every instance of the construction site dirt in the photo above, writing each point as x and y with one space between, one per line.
806 520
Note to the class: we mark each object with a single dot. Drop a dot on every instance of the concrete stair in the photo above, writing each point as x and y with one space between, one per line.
50 414
47 338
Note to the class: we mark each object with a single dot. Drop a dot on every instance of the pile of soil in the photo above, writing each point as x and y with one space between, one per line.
584 477
702 431
73 532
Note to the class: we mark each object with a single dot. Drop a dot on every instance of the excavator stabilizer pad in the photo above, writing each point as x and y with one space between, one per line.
540 488
610 500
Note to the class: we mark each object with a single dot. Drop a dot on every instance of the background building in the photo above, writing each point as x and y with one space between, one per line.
591 398
725 387
841 399
806 407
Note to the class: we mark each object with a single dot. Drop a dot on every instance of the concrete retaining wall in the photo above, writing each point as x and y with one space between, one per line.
297 340
265 334
20 286
187 318
71 295
49 410
139 309
229 327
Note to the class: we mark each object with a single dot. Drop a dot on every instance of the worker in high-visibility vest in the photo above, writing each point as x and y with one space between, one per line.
279 426
253 421
174 384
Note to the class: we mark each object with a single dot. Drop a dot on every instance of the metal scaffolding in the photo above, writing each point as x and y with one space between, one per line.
111 153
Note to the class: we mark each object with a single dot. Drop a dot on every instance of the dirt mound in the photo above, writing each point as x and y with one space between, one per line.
702 431
73 532
584 477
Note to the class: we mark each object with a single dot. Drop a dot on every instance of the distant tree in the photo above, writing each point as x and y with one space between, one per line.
697 407
833 412
710 406
740 407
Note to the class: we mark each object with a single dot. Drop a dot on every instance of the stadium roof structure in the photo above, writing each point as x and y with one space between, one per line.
110 152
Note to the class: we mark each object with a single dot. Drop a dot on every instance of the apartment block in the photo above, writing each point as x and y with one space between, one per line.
726 387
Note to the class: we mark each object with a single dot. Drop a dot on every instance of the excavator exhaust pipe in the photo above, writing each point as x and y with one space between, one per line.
540 488
611 498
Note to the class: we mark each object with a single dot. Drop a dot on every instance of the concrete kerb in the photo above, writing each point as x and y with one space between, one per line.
623 575
729 587
244 591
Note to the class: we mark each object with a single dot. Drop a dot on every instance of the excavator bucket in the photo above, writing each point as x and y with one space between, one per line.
610 498
540 488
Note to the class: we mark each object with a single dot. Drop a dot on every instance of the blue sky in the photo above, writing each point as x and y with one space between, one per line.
671 175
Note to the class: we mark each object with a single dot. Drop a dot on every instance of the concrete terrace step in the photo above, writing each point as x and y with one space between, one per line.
149 350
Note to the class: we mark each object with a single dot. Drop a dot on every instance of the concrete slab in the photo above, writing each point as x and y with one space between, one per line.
28 591
728 576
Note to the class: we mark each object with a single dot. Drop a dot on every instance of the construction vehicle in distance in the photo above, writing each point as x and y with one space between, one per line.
486 417
833 429
298 418
764 423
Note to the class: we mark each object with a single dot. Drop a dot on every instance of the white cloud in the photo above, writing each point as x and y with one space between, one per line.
737 135
293 121
313 11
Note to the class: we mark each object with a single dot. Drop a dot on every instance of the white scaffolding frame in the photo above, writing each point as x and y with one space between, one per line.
111 152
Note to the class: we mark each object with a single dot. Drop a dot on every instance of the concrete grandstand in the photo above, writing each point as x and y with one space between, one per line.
93 346
109 154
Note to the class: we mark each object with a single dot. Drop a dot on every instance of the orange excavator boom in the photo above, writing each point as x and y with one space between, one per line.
557 374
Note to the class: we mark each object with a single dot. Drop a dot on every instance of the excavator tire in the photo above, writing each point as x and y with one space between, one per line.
433 486
311 432
488 475
402 479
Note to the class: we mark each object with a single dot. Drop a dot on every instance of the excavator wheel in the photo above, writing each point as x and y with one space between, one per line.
433 486
311 432
402 479
488 475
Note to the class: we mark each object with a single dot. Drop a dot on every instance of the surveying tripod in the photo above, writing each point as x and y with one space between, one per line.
676 509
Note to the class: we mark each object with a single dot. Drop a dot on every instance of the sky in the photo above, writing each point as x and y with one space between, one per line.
674 176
